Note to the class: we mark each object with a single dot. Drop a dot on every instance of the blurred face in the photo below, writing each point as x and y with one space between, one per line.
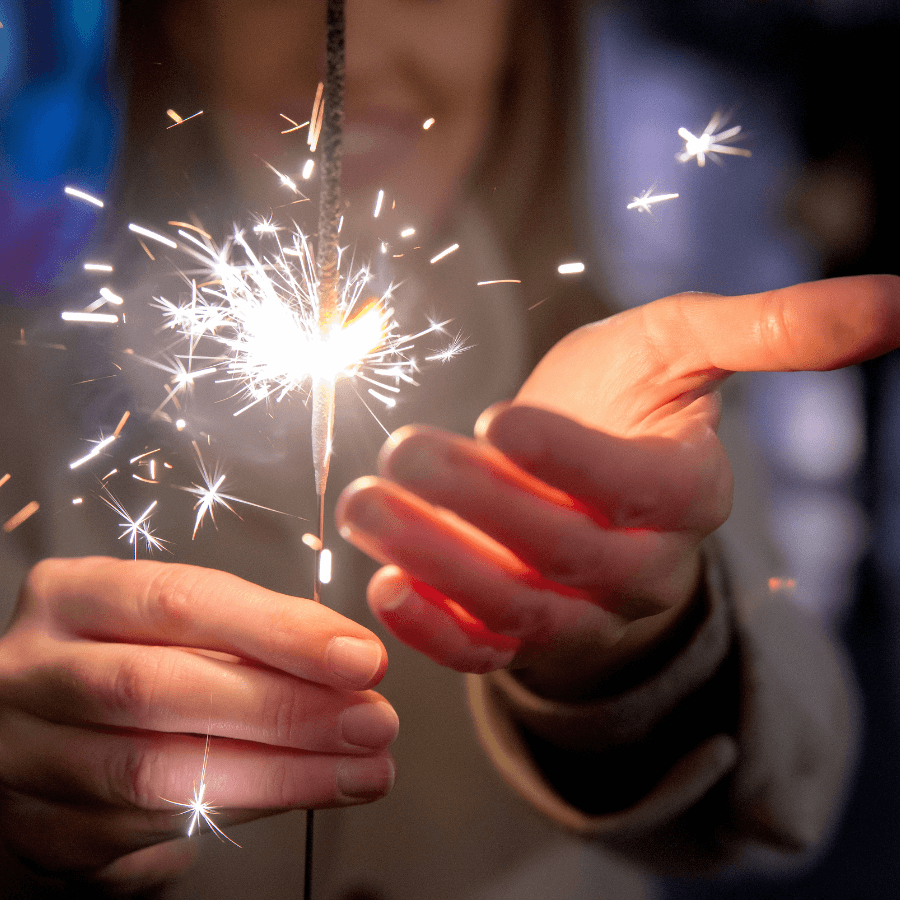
407 61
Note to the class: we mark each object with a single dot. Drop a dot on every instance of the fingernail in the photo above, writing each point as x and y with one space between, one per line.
414 463
399 595
353 660
365 778
369 515
370 725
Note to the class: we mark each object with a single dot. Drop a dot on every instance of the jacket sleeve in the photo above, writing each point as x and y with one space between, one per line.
736 752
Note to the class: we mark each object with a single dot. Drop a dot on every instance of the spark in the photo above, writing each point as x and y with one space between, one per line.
177 120
105 318
378 202
101 445
427 124
295 126
199 808
146 232
26 512
285 180
315 122
83 195
444 253
110 297
325 567
97 267
311 541
209 495
407 232
453 349
500 281
710 143
644 201
134 529
4 479
308 167
572 268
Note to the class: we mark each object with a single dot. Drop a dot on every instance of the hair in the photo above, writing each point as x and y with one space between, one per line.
525 182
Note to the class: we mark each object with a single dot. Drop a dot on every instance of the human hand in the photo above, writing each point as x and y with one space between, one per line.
565 539
104 713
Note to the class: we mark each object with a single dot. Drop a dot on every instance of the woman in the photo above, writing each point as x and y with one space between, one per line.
600 487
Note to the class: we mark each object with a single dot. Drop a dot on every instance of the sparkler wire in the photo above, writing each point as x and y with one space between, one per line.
327 258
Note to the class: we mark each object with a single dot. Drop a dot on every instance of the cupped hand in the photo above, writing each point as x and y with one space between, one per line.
565 539
113 673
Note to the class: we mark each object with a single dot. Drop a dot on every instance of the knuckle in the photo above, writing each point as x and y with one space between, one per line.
133 685
168 597
284 716
572 561
136 776
779 329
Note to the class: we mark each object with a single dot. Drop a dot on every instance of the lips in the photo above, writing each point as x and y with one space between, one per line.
377 143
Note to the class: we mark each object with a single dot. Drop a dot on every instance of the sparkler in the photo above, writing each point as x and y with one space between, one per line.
711 142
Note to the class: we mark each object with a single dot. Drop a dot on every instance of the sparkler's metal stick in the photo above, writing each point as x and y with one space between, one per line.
327 251
327 254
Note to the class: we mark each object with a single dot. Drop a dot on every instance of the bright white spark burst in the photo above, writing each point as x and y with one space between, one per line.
135 530
644 201
258 307
200 809
711 142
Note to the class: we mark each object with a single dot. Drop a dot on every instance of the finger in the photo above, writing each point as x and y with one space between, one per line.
820 325
486 579
174 690
629 372
436 626
163 603
598 482
158 774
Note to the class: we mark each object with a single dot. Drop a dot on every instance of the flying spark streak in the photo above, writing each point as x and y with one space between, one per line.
125 416
378 202
101 445
710 143
427 124
295 126
325 567
4 479
97 267
444 253
146 232
83 195
25 513
572 268
110 297
103 318
311 541
644 201
500 281
315 122
200 809
308 167
177 120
